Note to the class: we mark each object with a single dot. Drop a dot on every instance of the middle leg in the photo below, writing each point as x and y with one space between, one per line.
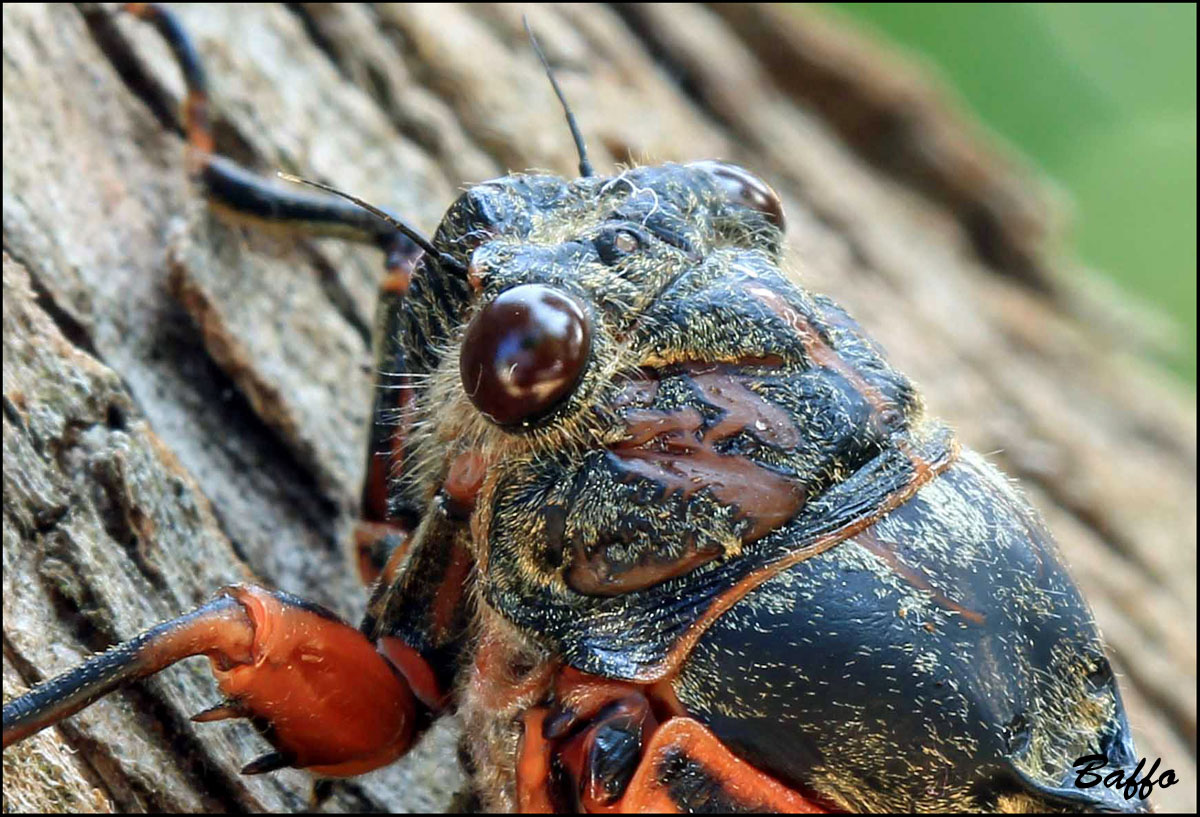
244 196
604 746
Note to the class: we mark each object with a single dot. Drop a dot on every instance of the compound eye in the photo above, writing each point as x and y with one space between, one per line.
744 187
524 353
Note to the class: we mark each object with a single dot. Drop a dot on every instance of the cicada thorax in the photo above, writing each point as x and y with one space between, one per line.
737 507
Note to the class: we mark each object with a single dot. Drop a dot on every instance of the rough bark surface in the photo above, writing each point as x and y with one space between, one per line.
185 399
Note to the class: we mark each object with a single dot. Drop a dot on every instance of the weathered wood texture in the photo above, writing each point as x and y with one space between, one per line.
185 399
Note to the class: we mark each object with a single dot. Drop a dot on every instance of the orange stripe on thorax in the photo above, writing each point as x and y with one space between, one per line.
726 600
886 552
824 355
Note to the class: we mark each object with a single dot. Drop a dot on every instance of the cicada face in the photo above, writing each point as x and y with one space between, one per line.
684 470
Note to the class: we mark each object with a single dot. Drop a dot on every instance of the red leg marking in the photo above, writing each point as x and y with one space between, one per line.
620 747
533 765
740 785
416 671
334 703
601 759
329 700
580 696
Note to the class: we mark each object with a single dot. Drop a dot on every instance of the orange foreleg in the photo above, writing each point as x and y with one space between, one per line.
328 699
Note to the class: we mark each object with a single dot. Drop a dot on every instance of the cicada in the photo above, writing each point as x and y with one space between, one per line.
665 529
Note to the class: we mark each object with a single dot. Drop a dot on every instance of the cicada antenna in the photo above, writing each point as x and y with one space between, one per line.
585 166
445 259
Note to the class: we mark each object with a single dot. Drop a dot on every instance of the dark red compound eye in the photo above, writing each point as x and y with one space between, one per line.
524 353
745 188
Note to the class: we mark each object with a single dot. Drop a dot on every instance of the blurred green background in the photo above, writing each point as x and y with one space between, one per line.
1102 96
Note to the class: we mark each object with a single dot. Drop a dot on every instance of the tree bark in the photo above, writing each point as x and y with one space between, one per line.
185 398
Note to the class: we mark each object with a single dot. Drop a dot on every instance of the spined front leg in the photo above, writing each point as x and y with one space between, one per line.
315 686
